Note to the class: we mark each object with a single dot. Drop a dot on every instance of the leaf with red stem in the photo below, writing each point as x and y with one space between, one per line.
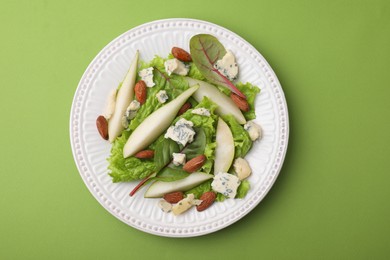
142 183
206 50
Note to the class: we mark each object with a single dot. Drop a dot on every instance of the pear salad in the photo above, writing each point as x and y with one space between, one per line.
182 127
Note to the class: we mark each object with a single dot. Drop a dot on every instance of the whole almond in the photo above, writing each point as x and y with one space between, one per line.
140 91
195 163
207 199
241 103
181 54
174 197
145 154
102 127
184 108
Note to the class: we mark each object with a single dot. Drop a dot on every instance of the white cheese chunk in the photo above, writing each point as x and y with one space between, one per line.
227 66
182 132
162 96
184 205
110 105
183 121
175 66
165 206
201 111
254 130
242 168
147 76
131 112
226 184
179 158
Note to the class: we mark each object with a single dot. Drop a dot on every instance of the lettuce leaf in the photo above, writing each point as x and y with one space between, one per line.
195 73
127 169
200 189
250 91
243 189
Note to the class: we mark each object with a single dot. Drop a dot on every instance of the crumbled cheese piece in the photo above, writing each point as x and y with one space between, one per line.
242 168
182 121
183 205
227 66
110 104
196 202
254 130
147 76
176 66
226 184
131 112
201 111
179 158
162 96
182 132
165 206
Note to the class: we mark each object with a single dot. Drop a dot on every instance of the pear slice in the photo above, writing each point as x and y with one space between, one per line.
159 188
224 152
123 98
225 104
155 124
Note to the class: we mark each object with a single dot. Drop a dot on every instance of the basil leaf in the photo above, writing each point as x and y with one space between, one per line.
163 153
197 146
169 174
205 51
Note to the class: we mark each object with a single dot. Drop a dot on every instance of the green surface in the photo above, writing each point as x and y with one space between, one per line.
331 200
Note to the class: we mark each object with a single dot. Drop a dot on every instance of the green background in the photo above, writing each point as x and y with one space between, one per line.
331 200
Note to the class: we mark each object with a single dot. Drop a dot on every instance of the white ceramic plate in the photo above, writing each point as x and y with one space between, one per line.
90 151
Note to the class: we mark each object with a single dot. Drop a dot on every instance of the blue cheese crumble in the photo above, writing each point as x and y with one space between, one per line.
254 130
227 66
147 76
226 184
175 66
182 132
162 96
201 111
179 159
130 113
185 204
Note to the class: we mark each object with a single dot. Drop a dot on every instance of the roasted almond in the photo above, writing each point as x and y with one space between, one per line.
181 54
145 154
207 199
195 163
174 197
184 108
140 91
241 103
102 127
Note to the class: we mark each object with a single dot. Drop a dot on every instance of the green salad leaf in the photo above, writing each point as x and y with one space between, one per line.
163 152
205 51
250 91
243 189
242 140
127 169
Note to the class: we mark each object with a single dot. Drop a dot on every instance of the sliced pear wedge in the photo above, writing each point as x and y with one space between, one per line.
224 152
225 104
159 188
123 98
155 124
